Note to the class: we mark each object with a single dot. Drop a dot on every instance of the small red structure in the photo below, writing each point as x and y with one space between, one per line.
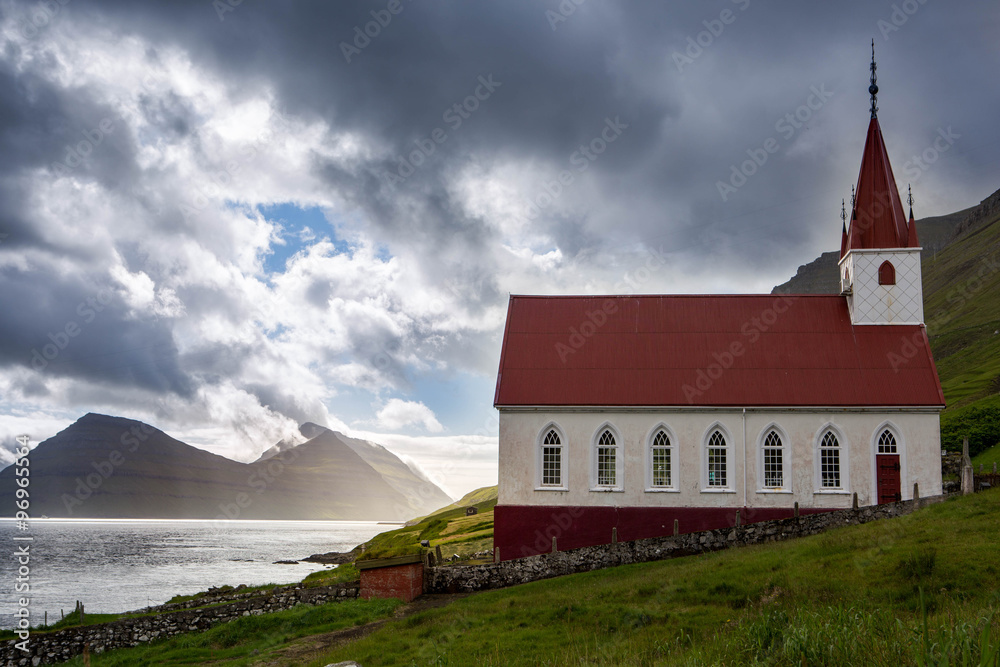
401 577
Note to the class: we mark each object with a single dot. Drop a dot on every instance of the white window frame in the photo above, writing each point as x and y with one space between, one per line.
619 484
881 432
539 454
845 467
730 460
786 460
674 470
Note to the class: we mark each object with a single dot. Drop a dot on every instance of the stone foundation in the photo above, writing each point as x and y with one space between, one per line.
468 578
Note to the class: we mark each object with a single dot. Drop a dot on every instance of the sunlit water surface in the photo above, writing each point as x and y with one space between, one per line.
121 565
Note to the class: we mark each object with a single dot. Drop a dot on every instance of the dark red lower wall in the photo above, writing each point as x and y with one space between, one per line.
527 530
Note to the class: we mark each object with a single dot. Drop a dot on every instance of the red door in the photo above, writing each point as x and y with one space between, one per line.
887 467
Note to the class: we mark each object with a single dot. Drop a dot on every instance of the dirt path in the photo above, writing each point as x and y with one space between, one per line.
303 650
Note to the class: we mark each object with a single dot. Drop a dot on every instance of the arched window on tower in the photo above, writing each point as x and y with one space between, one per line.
887 273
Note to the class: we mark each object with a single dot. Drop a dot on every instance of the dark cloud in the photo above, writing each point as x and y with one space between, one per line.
701 87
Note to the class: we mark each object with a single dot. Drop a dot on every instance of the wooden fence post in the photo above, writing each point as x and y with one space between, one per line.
677 527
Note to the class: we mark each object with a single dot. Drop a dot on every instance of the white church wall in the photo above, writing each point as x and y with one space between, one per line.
872 303
520 431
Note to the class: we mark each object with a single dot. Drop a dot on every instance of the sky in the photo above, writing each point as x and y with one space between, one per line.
226 218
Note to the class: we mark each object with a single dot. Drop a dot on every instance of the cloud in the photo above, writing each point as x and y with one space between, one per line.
212 218
398 414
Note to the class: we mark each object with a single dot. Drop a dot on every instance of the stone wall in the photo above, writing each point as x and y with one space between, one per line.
455 579
59 646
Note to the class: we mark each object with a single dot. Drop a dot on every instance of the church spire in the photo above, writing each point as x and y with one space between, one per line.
873 87
877 218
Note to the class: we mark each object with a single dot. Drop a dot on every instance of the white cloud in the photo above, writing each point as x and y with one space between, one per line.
398 414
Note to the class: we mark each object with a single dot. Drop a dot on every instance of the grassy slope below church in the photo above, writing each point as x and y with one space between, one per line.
850 596
830 599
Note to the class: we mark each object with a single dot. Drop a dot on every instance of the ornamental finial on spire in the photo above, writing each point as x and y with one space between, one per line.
909 198
873 88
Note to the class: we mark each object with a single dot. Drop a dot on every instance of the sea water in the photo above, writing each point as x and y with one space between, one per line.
120 565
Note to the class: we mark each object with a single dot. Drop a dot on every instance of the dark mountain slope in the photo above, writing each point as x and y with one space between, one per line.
418 492
111 467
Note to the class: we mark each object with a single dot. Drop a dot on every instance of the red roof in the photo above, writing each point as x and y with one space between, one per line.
877 218
742 351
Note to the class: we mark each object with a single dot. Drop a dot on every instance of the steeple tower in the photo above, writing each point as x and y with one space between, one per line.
879 254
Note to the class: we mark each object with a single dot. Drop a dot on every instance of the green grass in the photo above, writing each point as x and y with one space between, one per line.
987 458
962 311
851 596
248 640
341 574
448 528
978 421
220 590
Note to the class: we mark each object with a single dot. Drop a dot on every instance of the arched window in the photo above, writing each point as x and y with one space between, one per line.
661 469
886 273
886 442
607 459
717 451
552 459
829 461
773 459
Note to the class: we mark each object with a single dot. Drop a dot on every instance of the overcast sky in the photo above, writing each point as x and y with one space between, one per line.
227 218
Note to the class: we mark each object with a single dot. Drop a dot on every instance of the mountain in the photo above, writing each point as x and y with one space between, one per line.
112 467
419 491
960 264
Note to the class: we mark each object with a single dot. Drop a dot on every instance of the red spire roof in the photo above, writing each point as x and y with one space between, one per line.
911 240
877 220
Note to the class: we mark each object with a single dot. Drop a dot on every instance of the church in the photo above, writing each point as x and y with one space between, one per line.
628 417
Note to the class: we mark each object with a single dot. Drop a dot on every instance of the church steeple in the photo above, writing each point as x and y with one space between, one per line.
877 218
873 87
879 253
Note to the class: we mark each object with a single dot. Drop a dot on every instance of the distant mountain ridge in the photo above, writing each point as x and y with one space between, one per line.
112 467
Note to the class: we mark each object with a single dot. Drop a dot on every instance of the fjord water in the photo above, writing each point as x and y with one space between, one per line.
121 565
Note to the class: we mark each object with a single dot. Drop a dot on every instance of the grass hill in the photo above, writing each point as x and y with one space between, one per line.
961 281
920 589
449 528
